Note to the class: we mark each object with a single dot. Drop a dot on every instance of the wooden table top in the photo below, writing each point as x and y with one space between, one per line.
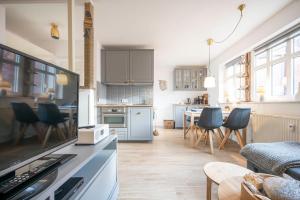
219 171
230 189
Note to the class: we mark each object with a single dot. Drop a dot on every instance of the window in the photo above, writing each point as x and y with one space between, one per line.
235 80
278 79
260 78
44 80
277 67
296 74
10 70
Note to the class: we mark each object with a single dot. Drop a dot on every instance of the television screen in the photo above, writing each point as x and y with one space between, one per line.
38 108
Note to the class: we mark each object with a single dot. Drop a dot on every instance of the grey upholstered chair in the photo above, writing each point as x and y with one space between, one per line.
210 119
50 115
237 119
26 117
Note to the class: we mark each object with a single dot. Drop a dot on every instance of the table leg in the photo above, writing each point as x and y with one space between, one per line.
244 135
211 143
184 125
193 128
208 188
192 135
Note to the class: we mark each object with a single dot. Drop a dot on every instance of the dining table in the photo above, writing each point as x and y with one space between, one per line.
196 113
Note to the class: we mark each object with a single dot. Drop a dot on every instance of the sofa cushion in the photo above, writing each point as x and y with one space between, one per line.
275 157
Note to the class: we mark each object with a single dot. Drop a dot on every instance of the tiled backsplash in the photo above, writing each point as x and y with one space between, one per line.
134 94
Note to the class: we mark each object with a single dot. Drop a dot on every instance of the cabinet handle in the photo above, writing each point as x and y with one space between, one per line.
138 113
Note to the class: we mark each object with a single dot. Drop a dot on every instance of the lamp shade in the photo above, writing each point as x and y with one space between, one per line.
209 82
61 79
5 84
260 90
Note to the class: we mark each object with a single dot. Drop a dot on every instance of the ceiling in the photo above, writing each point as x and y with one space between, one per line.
175 28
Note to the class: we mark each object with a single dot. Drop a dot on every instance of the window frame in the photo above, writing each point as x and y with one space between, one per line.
287 59
237 77
44 80
17 66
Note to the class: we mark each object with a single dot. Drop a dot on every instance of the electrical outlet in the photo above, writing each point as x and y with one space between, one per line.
292 127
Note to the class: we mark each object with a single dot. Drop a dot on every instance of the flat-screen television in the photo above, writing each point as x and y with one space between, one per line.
38 108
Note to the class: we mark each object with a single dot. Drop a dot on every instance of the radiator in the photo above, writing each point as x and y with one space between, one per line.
275 128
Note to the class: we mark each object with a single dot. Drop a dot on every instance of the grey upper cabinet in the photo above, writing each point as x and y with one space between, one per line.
140 123
190 79
115 65
141 66
127 66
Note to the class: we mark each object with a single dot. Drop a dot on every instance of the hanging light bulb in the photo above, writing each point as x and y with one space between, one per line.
209 81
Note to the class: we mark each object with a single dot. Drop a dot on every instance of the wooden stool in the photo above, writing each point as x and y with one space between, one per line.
219 171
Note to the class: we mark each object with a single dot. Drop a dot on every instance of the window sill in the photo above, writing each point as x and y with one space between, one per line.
263 102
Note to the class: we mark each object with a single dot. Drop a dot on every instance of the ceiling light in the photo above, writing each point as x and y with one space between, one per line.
62 79
54 31
210 81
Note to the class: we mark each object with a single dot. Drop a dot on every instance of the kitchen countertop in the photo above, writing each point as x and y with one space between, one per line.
124 105
178 104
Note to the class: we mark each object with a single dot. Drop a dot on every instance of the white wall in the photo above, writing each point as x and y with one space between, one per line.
164 65
282 20
21 44
2 25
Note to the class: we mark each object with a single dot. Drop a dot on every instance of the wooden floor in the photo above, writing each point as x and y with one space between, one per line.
168 168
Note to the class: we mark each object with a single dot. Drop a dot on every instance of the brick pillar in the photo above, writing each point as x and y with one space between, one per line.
88 46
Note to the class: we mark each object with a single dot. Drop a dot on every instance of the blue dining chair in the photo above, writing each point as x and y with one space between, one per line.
237 119
50 115
210 119
26 117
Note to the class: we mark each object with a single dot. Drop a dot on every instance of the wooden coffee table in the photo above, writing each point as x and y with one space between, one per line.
230 189
216 172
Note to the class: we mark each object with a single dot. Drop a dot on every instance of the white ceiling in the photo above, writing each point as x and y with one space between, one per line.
177 28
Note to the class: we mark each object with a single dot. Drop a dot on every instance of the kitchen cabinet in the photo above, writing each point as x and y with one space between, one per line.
178 115
178 111
121 132
123 67
115 65
141 66
190 79
140 123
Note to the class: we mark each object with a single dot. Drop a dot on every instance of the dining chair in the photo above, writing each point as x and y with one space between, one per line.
26 117
237 119
210 120
188 120
50 115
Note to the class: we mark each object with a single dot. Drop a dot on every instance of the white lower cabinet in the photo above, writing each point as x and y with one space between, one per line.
103 185
121 132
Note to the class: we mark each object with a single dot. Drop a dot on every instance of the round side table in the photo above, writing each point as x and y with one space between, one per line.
230 189
219 171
